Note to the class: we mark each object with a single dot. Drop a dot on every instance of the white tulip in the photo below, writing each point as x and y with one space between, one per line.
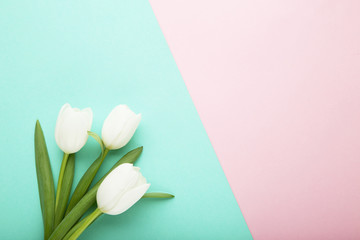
121 189
72 126
119 127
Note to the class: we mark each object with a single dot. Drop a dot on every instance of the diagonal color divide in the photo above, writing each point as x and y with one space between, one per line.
100 54
277 86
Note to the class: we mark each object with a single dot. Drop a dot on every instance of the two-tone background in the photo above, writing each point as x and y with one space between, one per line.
250 112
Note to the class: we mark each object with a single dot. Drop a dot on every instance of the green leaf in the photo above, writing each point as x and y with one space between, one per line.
158 195
84 183
65 189
146 195
81 223
45 181
88 176
89 199
76 227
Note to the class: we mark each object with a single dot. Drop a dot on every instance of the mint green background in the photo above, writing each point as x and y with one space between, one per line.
100 54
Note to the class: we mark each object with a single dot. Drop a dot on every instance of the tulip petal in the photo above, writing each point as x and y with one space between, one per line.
119 127
71 128
141 181
59 119
114 124
88 117
128 131
115 185
128 199
73 134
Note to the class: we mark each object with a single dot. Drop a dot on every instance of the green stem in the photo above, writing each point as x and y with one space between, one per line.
86 181
61 175
89 199
85 223
106 151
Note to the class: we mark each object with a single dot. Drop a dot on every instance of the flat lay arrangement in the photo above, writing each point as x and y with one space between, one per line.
64 216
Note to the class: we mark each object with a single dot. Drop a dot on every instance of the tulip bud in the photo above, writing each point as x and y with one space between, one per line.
121 189
72 126
119 127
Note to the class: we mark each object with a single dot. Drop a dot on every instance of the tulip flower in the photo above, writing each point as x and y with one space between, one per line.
120 190
72 126
119 127
117 131
71 134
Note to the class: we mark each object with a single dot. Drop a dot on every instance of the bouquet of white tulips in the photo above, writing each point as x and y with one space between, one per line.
64 214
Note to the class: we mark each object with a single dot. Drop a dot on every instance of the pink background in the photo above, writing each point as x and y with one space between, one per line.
277 86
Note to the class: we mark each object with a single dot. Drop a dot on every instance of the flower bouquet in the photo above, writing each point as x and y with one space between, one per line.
64 215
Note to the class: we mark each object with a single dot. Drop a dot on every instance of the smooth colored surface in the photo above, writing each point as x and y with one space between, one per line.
100 54
277 86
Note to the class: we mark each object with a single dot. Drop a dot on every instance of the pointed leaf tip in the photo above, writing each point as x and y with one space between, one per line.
45 180
158 195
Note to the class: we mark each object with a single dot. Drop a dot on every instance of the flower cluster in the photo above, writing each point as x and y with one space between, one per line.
114 193
73 124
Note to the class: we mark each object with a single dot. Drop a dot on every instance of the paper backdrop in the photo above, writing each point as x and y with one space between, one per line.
100 54
277 87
